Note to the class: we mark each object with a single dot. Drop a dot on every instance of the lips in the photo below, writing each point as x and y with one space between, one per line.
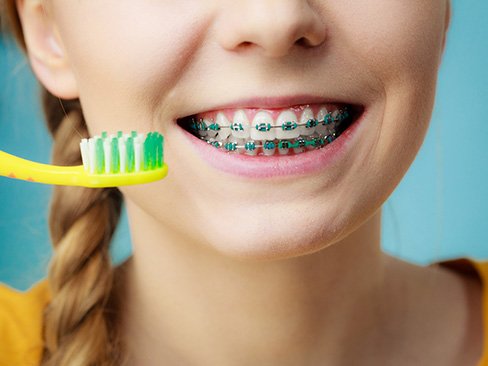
260 157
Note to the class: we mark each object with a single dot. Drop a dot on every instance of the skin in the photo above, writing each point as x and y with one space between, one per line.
219 275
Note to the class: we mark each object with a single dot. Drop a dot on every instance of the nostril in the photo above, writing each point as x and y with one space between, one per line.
303 42
310 42
245 44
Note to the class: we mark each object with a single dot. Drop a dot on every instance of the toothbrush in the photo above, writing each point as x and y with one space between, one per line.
108 161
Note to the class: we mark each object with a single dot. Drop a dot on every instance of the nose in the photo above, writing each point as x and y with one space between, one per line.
273 25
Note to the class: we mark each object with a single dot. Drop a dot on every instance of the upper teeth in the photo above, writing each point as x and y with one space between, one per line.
288 122
287 126
241 127
261 127
307 116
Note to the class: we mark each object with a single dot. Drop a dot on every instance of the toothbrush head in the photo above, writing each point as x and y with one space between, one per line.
123 159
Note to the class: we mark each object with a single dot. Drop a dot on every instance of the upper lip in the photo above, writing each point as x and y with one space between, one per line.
275 102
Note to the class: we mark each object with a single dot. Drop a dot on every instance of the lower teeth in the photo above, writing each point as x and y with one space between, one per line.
269 147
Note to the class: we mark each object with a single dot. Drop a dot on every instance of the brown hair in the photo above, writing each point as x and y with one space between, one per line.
79 320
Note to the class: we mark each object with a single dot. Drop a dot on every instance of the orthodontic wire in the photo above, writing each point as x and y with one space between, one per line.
265 127
299 142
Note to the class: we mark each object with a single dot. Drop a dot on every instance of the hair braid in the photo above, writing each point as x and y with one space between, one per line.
78 323
82 222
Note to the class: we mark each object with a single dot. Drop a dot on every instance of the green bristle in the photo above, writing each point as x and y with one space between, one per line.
152 152
154 144
156 150
100 157
159 152
115 156
130 155
147 151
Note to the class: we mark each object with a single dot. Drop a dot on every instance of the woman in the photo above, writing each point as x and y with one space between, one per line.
268 255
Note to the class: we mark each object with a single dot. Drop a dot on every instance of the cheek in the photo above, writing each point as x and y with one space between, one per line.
397 39
399 43
125 67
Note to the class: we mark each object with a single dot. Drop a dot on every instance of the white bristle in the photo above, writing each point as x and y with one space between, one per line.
92 155
107 151
122 154
142 138
137 154
84 154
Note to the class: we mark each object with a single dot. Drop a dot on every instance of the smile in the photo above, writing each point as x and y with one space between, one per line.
279 137
268 132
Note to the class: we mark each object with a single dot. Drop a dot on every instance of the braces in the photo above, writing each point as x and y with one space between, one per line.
200 125
300 142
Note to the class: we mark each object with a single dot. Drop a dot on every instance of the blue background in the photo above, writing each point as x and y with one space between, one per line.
439 211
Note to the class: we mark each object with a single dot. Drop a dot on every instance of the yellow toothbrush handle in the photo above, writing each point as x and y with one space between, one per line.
14 167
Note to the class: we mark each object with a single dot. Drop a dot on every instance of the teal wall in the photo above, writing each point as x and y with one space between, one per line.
439 211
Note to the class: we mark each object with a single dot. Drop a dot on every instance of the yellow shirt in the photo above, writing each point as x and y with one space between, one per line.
21 325
21 318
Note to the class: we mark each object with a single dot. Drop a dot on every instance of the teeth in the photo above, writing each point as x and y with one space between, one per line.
241 143
269 148
307 115
283 148
287 125
241 126
321 128
261 128
334 122
233 144
210 132
335 114
202 128
223 123
267 137
251 148
299 149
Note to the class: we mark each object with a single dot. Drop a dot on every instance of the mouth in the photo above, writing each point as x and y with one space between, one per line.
270 132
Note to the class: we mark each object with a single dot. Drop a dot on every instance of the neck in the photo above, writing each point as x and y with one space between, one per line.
187 304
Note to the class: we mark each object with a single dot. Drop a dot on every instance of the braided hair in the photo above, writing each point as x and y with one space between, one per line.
79 322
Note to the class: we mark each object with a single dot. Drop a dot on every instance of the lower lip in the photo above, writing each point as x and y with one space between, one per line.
261 167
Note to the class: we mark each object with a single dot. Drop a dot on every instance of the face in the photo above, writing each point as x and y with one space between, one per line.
145 65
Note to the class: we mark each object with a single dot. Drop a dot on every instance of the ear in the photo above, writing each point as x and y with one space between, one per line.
45 49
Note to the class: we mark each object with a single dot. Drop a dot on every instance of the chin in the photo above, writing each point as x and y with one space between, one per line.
259 240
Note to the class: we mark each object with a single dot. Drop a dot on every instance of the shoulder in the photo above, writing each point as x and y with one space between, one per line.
482 271
475 273
21 316
481 267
